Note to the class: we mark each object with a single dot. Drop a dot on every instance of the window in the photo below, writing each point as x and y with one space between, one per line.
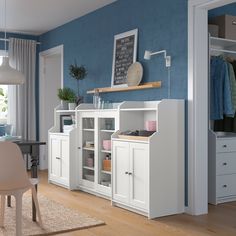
3 98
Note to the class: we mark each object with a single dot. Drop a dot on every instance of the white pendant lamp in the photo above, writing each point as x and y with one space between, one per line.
9 75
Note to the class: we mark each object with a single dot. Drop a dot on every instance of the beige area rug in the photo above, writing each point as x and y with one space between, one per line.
56 219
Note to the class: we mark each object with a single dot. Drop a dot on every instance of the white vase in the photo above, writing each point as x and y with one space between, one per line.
64 105
72 106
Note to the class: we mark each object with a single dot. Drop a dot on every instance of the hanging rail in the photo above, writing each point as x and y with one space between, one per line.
7 40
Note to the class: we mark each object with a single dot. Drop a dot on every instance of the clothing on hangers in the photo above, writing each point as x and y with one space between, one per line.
221 97
228 124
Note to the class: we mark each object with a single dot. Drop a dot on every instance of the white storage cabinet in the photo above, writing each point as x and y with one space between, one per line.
94 125
221 167
130 171
148 174
61 153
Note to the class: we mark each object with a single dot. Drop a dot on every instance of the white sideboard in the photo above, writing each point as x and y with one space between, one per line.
146 176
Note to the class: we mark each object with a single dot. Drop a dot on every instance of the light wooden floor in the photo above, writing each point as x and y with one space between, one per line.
221 219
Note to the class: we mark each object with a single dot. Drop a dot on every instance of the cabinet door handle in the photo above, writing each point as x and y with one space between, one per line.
224 146
126 172
79 147
224 186
58 158
225 164
130 173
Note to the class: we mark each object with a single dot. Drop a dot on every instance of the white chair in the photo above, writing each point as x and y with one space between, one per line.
14 181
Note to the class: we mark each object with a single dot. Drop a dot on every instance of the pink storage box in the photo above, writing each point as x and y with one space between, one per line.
89 162
151 125
106 144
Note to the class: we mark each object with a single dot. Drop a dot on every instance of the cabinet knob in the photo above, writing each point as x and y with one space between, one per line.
126 172
130 173
224 186
225 164
79 147
224 146
58 158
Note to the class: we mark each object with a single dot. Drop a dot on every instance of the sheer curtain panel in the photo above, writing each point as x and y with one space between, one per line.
22 55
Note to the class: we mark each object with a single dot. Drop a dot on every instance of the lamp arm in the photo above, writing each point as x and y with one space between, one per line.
159 52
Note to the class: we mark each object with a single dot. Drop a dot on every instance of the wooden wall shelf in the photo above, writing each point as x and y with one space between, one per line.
120 89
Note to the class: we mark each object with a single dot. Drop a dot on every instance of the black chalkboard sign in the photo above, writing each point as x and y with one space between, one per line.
124 55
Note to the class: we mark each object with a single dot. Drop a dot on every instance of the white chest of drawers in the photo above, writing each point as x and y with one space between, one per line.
221 167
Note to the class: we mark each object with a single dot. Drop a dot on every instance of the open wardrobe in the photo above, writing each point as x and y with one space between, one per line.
222 124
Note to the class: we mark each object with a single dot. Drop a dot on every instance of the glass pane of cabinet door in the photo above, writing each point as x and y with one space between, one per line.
88 149
106 127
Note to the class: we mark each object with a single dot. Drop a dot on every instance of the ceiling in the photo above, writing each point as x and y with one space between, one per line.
39 16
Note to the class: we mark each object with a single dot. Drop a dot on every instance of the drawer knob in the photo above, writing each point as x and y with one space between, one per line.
126 172
224 146
224 186
58 158
130 173
225 164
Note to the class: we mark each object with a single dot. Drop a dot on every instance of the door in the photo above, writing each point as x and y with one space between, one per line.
139 161
51 77
59 159
120 171
87 148
55 155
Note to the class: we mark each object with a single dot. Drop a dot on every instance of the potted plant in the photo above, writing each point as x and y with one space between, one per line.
66 95
78 73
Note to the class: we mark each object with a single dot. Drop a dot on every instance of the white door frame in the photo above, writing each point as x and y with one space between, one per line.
198 103
59 50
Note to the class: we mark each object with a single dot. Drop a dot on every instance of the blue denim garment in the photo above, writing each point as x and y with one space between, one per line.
220 100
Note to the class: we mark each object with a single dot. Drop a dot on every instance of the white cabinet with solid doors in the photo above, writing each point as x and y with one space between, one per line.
148 172
130 174
59 159
61 151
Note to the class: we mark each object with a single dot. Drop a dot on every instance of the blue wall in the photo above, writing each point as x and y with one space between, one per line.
162 25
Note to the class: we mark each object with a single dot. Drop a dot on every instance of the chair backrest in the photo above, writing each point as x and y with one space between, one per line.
13 174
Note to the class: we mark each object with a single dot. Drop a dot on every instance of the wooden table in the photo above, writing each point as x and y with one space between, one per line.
32 148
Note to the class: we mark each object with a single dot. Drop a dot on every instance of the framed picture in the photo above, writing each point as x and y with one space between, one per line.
65 120
124 55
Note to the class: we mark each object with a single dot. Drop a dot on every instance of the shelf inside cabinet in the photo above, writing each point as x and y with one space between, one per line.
88 168
149 85
107 131
89 130
106 172
106 151
88 148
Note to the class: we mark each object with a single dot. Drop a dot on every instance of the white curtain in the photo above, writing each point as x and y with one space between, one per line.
21 98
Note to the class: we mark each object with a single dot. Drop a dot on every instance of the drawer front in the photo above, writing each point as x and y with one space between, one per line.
226 163
226 185
226 145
